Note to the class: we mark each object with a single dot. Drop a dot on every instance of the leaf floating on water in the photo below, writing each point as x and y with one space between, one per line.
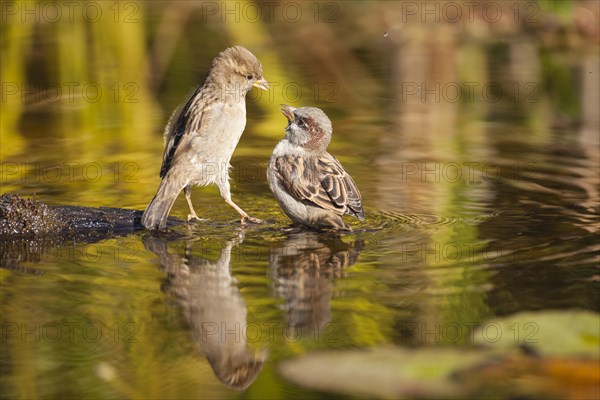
572 333
386 371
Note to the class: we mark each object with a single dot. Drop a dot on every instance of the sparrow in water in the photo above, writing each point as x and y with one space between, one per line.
310 184
200 136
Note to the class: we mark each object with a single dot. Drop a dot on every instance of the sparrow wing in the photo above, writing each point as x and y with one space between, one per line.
339 186
321 181
195 118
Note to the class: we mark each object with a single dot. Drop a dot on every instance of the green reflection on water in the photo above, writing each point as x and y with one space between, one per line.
408 278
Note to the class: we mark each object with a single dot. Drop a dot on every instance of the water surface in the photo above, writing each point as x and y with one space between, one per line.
476 208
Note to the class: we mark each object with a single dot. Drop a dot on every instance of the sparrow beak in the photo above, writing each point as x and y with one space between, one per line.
262 84
288 111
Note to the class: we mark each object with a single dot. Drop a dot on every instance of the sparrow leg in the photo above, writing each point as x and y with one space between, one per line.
188 196
245 216
224 189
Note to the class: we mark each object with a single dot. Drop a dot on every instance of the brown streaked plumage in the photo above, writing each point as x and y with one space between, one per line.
201 136
310 184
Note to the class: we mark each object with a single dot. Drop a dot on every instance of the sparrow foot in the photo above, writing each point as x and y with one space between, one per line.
253 220
194 218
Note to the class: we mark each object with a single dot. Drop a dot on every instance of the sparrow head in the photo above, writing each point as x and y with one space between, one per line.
237 66
239 376
308 127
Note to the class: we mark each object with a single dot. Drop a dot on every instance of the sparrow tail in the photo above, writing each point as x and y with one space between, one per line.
155 216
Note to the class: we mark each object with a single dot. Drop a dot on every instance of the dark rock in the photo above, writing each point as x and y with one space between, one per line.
26 217
29 228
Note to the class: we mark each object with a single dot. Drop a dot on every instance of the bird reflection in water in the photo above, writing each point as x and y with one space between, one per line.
213 308
302 271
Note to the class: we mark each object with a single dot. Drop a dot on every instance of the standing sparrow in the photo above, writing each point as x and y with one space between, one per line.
311 186
200 136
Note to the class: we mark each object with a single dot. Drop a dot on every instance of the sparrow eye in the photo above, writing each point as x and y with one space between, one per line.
249 77
300 122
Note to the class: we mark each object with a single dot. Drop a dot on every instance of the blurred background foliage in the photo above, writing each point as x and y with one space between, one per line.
109 73
95 82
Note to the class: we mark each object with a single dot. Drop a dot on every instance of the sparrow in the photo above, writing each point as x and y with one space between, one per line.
201 136
310 184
